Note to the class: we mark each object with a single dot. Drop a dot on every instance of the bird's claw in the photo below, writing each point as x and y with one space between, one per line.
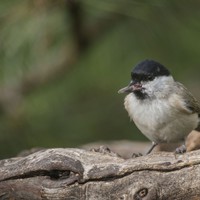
135 155
180 150
105 150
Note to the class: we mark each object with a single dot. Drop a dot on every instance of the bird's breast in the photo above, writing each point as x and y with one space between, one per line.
146 113
158 120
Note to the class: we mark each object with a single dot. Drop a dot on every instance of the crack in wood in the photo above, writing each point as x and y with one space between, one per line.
53 174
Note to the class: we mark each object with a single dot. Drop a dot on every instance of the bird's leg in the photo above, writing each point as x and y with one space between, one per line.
154 144
181 149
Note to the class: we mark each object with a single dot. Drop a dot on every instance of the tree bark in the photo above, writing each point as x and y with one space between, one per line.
100 174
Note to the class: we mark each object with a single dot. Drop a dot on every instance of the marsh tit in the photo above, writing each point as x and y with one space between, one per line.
162 108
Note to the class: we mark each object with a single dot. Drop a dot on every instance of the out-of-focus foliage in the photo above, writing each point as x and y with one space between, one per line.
63 61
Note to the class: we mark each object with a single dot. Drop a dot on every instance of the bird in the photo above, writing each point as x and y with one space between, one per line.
161 107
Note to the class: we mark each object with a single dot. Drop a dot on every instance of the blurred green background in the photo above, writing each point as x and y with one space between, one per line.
63 61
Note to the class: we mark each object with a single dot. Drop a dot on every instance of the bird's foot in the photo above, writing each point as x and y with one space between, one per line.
105 150
135 155
181 149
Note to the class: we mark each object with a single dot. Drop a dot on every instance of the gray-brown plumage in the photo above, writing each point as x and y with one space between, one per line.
162 109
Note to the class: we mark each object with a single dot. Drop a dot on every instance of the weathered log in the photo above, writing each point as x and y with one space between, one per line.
80 174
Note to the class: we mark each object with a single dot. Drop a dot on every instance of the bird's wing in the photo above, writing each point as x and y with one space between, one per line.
184 100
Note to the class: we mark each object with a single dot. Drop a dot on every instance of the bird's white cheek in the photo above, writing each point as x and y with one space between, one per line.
149 88
159 87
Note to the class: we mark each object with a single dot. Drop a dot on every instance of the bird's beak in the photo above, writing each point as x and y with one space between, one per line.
130 88
126 89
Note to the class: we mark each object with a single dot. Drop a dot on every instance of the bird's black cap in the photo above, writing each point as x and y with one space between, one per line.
148 70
